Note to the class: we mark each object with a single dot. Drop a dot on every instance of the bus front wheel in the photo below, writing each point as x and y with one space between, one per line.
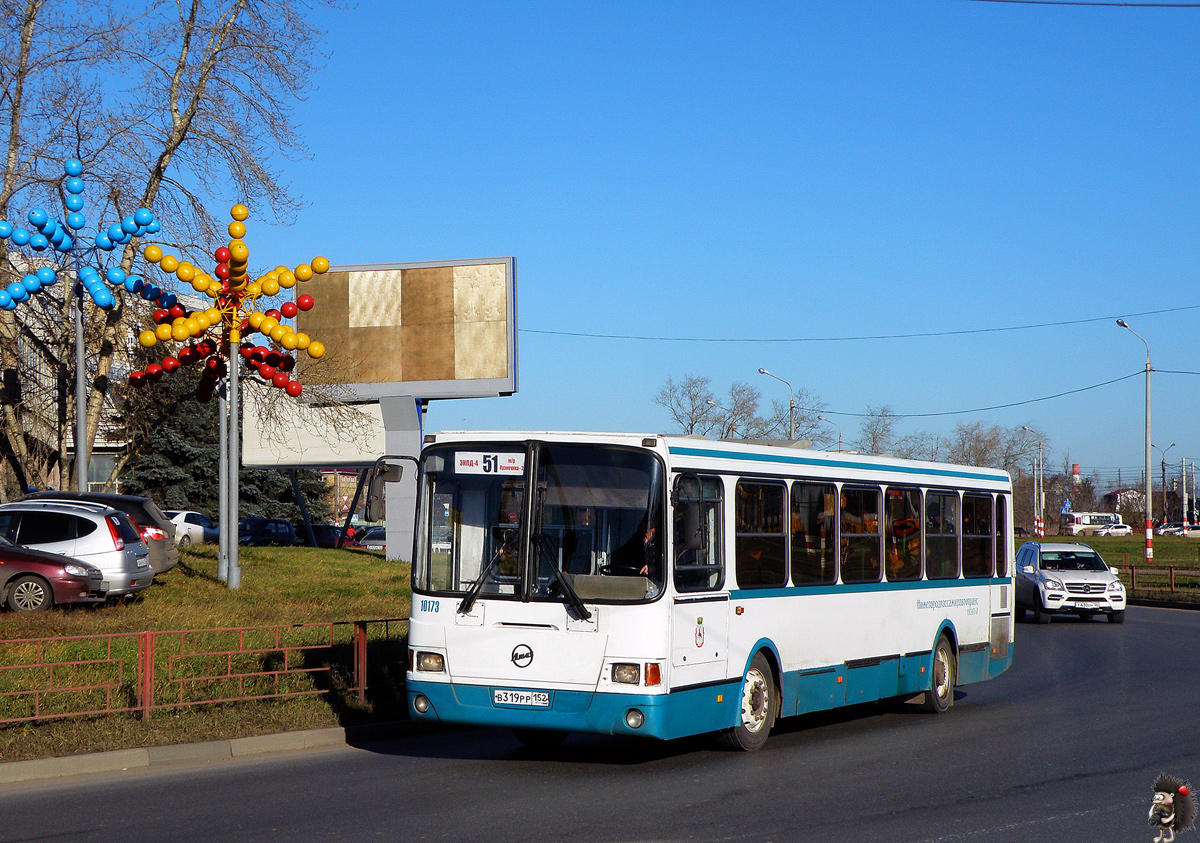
758 703
940 695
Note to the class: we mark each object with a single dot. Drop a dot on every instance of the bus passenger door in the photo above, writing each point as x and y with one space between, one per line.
700 610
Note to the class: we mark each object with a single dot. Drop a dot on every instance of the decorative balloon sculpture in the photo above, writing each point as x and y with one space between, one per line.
66 254
232 313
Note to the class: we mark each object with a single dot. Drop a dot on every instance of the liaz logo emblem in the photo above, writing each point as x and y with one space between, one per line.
699 632
522 655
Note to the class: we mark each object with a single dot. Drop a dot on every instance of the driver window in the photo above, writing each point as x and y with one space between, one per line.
698 548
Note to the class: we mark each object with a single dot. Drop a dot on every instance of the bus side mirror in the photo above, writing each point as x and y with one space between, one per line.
381 474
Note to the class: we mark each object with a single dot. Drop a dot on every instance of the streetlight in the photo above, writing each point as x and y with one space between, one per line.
1149 506
728 416
1163 452
838 426
791 404
1039 492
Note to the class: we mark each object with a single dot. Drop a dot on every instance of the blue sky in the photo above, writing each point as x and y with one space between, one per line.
800 170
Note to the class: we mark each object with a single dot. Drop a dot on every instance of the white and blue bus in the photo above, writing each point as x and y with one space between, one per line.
672 585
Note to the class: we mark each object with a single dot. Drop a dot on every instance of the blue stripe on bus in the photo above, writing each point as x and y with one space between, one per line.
788 459
860 588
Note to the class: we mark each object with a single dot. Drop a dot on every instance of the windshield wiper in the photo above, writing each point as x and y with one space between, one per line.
573 599
469 598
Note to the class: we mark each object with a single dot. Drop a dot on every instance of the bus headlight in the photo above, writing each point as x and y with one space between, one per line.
626 674
634 718
421 703
430 662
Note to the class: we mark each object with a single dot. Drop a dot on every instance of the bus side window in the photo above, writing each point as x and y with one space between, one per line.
699 548
1001 536
941 535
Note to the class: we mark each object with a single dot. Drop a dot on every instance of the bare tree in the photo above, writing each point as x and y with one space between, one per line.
877 432
695 410
687 402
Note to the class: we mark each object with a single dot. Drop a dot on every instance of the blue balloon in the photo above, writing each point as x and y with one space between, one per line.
73 167
20 236
74 203
38 218
154 227
144 216
5 300
76 220
56 237
115 275
87 272
114 232
134 284
17 290
129 224
6 229
150 291
47 276
74 185
39 242
49 227
66 244
125 237
103 298
103 242
32 283
168 300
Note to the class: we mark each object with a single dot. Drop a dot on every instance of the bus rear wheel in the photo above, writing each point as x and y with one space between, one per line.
759 702
940 695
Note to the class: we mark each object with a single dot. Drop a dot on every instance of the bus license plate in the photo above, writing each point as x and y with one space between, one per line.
535 699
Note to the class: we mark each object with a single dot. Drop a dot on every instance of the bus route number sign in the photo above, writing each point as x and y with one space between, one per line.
471 462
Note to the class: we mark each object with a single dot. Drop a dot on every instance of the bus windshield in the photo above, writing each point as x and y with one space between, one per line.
595 523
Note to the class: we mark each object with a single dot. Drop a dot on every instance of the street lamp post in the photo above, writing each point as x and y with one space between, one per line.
791 404
1039 490
1163 453
728 416
1149 505
838 426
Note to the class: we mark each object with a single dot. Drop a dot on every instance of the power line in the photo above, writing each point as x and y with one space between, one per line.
648 338
1086 3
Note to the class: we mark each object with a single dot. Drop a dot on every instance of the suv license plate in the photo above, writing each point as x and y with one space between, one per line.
536 699
1086 604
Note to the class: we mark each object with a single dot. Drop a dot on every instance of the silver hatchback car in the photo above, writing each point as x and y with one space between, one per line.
90 532
1067 577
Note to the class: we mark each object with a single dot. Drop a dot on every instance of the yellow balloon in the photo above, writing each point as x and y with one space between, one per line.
215 288
185 272
254 289
289 342
302 341
237 229
147 339
277 271
239 212
153 253
192 326
200 283
320 265
203 322
268 324
256 319
287 280
316 349
303 272
214 316
238 252
179 332
270 287
163 331
279 332
169 263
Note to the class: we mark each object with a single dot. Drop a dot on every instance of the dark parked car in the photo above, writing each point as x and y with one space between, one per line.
32 580
152 524
260 531
372 538
327 535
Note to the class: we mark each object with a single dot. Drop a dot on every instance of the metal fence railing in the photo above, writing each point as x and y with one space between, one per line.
141 672
1170 578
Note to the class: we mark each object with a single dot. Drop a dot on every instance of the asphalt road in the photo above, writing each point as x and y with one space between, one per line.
1063 747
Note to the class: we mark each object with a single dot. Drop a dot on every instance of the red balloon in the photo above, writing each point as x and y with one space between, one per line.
205 347
222 271
287 363
294 388
153 372
222 254
177 311
204 395
258 354
160 316
267 371
274 314
281 379
289 309
272 358
305 302
170 364
137 379
246 351
187 355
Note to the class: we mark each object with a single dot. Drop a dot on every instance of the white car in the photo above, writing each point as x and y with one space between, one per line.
193 527
1115 530
1062 578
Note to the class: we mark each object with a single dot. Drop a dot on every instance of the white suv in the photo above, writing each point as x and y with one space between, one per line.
1053 578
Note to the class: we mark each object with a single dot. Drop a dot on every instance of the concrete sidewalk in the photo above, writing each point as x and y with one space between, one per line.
161 756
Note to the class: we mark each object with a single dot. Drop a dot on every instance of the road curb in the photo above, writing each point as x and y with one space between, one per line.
13 772
1162 604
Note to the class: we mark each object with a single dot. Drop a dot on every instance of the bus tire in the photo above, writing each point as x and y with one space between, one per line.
759 701
539 738
940 695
